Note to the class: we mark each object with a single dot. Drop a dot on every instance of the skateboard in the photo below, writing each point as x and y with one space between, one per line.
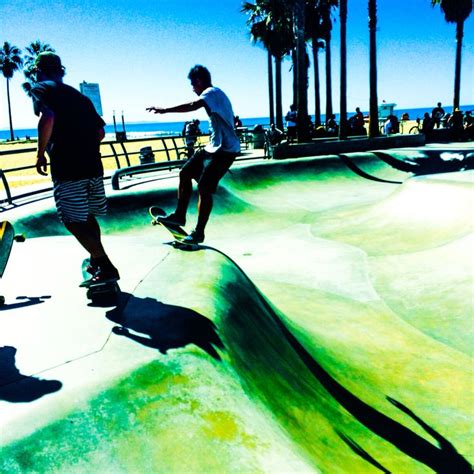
101 294
7 237
176 231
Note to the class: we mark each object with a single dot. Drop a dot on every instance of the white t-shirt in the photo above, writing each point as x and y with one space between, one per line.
221 115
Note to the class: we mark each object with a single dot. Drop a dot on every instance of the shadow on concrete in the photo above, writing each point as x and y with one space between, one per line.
446 461
357 170
29 301
18 388
163 327
362 452
443 458
431 161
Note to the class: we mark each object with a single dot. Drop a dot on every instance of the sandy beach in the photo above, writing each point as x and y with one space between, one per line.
24 154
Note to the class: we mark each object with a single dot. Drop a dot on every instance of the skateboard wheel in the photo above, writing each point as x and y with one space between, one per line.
153 222
120 330
20 238
2 300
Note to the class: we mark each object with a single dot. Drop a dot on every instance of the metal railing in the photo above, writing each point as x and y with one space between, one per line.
121 153
169 154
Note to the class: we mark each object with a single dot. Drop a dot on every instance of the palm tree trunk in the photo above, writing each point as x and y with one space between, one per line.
457 70
343 98
301 72
278 104
295 76
270 89
373 101
317 96
12 136
328 77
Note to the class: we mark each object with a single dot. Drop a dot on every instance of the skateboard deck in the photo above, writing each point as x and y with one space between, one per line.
176 231
100 293
7 236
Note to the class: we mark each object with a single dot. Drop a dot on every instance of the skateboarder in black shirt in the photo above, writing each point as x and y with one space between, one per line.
70 130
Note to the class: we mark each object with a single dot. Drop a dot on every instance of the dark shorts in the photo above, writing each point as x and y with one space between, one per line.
208 168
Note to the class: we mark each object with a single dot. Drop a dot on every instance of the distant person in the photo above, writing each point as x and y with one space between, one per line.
405 116
468 119
291 123
456 124
70 130
275 135
427 124
468 125
308 125
437 114
445 120
190 132
209 165
358 118
357 123
237 122
332 128
392 125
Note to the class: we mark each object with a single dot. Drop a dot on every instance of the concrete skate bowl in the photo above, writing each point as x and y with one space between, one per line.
326 326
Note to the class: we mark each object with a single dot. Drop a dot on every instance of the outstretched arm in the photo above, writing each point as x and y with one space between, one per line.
188 107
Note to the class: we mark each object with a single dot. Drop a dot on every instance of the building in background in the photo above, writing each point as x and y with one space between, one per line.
91 90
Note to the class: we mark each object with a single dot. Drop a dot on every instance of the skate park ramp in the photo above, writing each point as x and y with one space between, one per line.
324 326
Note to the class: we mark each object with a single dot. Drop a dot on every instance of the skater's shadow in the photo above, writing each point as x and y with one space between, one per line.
16 387
27 301
163 327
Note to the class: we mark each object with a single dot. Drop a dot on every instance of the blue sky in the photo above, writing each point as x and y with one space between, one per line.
141 51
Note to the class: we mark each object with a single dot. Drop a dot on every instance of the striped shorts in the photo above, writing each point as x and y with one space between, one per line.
76 200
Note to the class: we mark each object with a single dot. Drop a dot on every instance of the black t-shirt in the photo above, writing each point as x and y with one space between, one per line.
74 145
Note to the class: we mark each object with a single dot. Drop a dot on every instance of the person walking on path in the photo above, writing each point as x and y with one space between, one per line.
70 131
190 132
437 114
291 123
209 165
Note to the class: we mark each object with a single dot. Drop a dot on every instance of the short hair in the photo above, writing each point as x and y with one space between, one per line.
200 72
49 64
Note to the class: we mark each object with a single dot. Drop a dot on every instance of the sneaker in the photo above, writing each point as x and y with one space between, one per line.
173 219
195 237
102 276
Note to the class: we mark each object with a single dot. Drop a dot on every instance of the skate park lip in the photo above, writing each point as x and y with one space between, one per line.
325 317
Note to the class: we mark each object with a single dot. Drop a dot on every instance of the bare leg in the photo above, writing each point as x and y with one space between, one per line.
88 235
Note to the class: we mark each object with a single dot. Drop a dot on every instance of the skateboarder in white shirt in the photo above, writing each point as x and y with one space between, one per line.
209 165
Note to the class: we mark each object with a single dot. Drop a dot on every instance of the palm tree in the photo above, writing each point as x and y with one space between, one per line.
343 97
326 7
32 51
314 33
271 97
316 30
301 70
456 11
10 61
373 101
270 25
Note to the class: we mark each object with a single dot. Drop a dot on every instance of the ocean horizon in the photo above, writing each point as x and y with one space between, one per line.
158 129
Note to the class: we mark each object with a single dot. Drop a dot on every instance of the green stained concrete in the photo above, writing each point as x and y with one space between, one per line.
340 295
